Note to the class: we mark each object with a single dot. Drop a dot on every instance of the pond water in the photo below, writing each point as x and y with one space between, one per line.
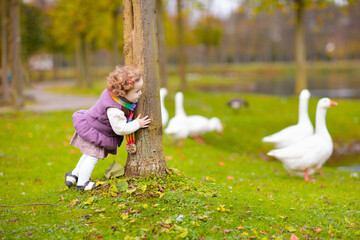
349 162
334 87
339 84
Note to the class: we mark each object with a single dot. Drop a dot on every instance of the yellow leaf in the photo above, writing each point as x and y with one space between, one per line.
143 188
145 206
290 228
130 191
124 216
160 194
240 227
89 201
194 223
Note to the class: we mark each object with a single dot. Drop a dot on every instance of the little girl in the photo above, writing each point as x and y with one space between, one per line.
100 130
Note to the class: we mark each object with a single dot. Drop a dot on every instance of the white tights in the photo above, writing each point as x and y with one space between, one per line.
84 168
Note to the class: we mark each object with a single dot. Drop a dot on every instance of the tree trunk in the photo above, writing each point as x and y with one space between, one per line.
115 40
161 42
141 50
83 76
56 65
4 50
300 52
17 80
181 47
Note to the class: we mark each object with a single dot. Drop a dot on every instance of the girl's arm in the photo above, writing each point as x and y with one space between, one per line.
118 122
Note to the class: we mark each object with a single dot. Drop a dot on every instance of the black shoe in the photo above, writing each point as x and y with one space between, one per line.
87 186
70 180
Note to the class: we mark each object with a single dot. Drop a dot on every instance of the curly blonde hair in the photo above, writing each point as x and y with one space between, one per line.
122 80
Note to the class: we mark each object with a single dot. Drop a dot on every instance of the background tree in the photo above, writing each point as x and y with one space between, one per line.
141 50
4 52
32 34
208 32
84 26
181 45
161 42
15 51
115 7
299 7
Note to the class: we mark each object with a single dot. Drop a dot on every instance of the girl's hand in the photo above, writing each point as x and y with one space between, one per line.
143 122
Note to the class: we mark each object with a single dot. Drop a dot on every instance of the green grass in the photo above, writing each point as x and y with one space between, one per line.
226 188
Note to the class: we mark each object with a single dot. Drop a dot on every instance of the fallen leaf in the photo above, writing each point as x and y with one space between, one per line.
294 237
122 186
221 163
114 170
317 230
89 201
161 189
240 227
209 179
230 177
130 191
290 228
168 157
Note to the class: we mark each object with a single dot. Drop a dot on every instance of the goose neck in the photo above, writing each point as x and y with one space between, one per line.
303 110
320 127
179 107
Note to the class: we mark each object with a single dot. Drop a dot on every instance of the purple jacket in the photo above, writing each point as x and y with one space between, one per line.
94 126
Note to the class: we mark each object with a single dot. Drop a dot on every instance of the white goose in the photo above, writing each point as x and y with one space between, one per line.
294 133
177 128
198 125
164 112
307 156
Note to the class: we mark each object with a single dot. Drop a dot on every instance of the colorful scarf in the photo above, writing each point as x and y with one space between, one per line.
130 138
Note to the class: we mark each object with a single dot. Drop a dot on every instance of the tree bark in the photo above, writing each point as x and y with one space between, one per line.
300 51
82 52
141 50
115 40
17 80
181 46
161 42
4 47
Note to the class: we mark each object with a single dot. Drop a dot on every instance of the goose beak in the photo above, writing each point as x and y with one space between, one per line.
332 103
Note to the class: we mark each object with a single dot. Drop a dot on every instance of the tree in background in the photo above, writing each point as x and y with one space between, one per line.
160 19
181 45
4 52
32 34
15 55
82 26
299 7
116 9
141 50
208 32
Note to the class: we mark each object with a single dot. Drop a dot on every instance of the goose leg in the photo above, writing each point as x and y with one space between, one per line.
199 140
307 178
182 142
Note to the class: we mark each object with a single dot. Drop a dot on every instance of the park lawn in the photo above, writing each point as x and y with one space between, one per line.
226 188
